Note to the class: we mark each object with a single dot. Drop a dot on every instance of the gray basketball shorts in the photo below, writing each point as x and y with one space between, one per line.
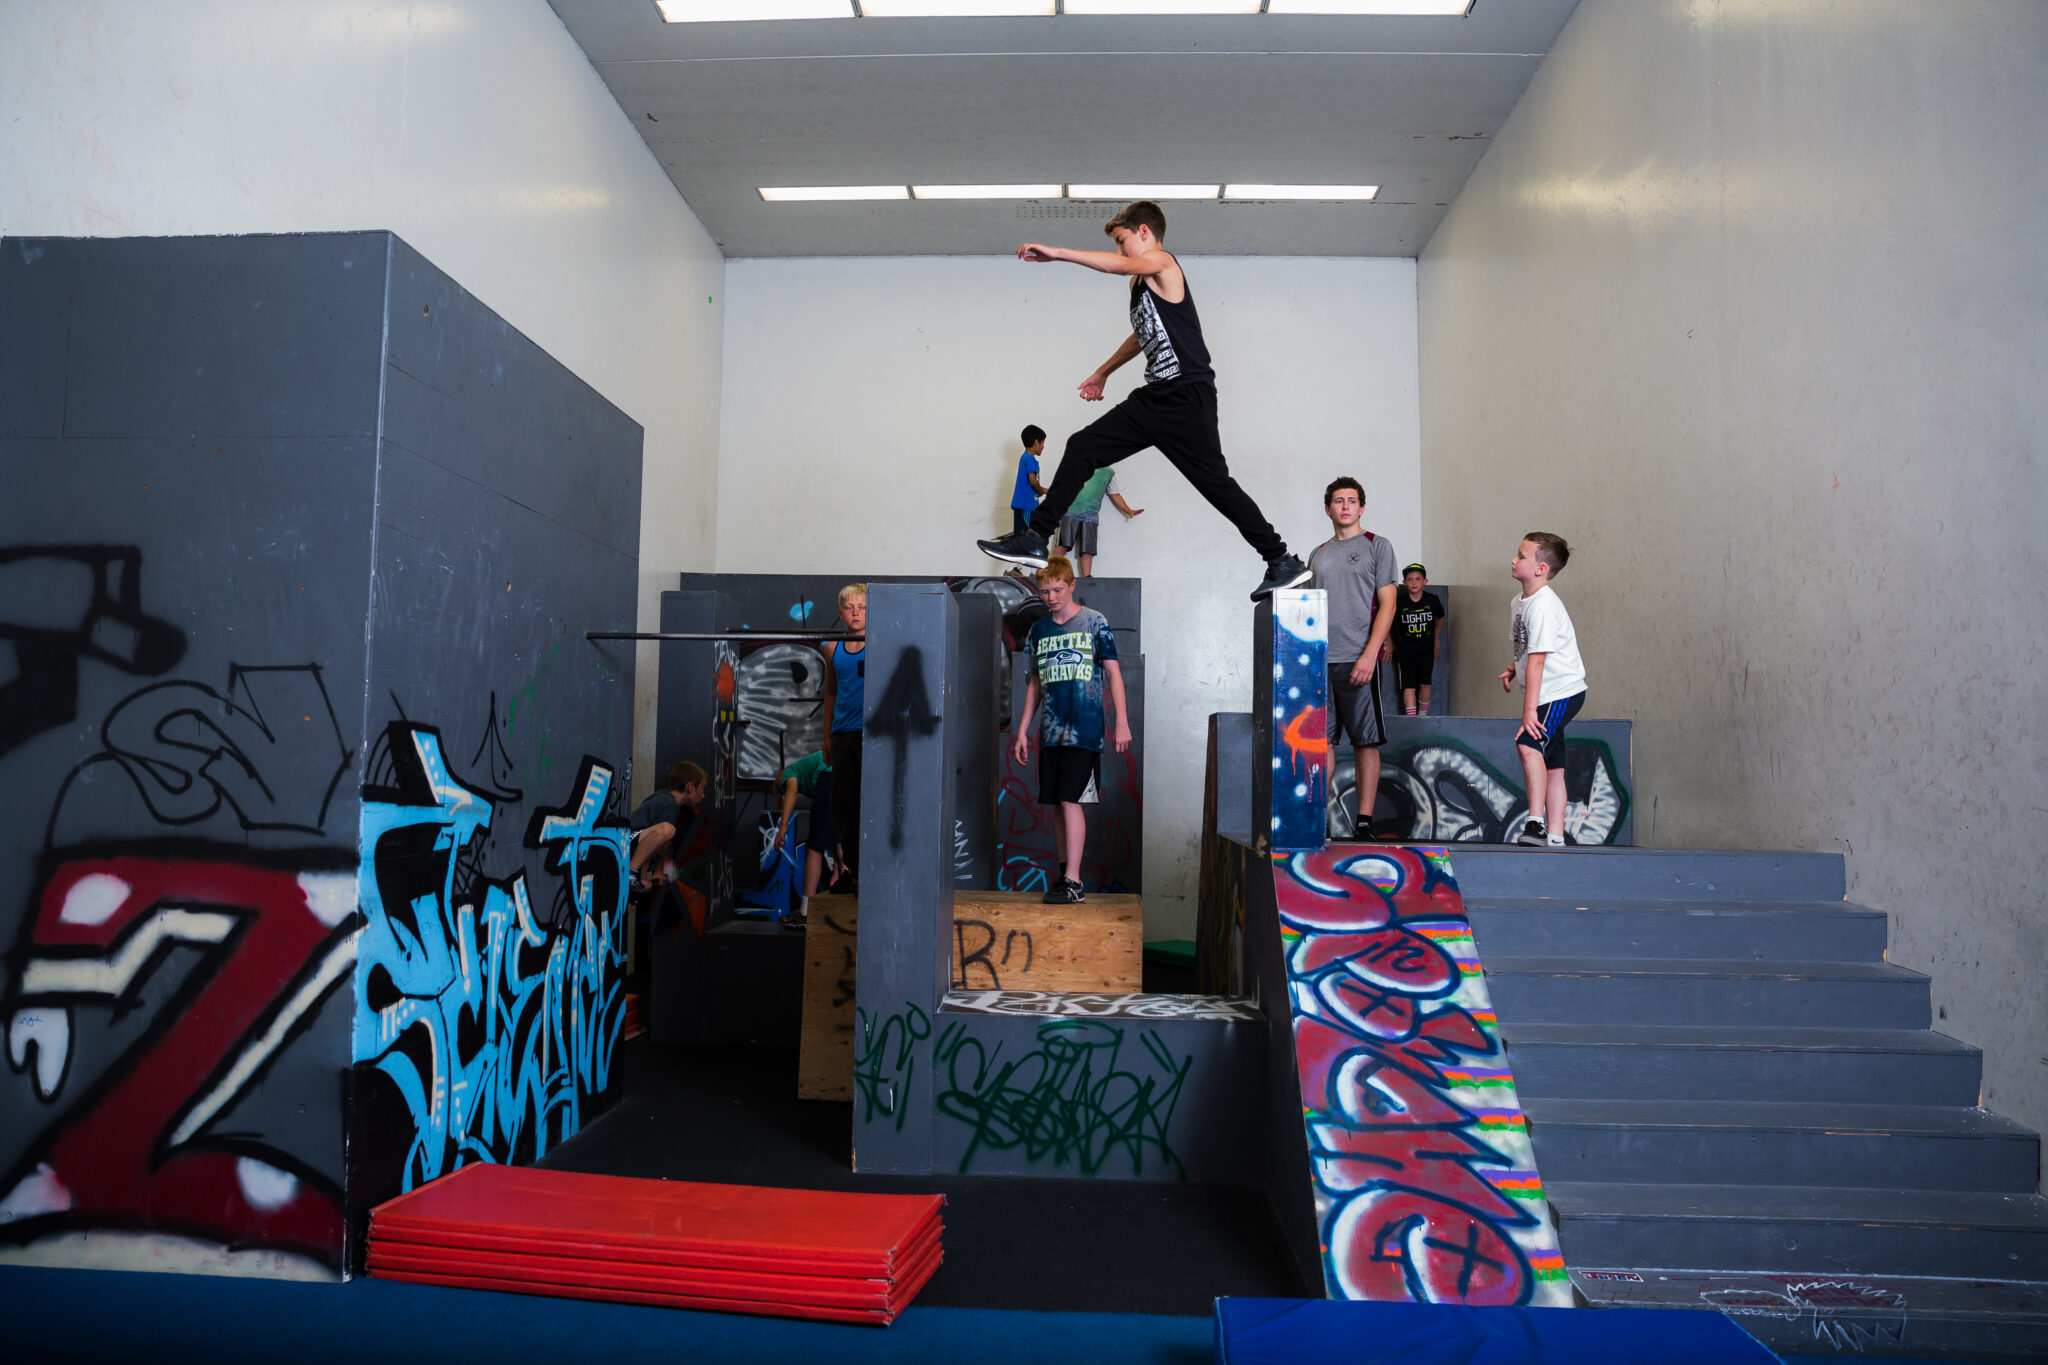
1079 536
1356 710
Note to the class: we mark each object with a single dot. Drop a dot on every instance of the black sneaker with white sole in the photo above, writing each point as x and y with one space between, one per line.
1533 834
1065 892
1025 547
1284 572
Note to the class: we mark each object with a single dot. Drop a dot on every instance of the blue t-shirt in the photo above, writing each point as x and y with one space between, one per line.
849 684
1022 496
1067 659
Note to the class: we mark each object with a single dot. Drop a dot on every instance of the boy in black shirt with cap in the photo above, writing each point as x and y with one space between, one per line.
1417 642
1175 410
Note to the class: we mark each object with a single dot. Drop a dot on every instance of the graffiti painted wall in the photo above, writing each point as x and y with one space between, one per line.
188 427
1456 779
1424 1182
493 849
206 549
1290 691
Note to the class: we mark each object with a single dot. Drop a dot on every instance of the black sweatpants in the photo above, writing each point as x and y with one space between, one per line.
846 794
1181 422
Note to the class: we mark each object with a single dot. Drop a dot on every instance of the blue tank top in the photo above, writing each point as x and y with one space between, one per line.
849 672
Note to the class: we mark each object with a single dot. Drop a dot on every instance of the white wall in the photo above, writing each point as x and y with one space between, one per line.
1750 300
869 425
475 129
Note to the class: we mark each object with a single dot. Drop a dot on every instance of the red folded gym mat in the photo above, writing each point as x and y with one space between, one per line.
739 1248
538 1274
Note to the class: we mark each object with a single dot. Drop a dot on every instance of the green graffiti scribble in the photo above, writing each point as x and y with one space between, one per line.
1067 1101
882 1074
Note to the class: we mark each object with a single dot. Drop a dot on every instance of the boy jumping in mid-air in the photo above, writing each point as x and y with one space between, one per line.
1416 640
1175 410
1072 651
1553 682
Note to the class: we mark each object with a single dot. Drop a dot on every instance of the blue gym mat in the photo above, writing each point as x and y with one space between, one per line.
1287 1331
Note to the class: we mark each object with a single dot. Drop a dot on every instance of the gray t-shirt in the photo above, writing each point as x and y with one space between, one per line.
1352 572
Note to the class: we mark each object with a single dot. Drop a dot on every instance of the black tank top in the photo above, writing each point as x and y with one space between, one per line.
1170 335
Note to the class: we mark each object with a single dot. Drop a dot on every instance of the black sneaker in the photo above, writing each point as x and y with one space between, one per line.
1533 834
1284 572
1065 892
1025 547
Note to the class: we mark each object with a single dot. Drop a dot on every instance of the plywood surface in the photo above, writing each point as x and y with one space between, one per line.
1002 940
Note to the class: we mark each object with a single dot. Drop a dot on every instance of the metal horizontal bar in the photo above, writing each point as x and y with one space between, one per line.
768 636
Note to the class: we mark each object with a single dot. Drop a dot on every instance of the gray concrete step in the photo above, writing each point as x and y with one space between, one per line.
1878 1146
1804 931
1563 990
1495 870
1809 1228
1665 1061
1861 1316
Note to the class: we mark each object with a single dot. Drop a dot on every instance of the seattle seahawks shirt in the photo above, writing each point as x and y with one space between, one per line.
1067 659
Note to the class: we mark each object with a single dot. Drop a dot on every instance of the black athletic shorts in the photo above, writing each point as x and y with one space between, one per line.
1066 773
1080 536
1356 710
1414 672
1555 716
823 834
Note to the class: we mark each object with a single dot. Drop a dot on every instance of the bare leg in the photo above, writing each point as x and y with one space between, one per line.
1087 566
1535 781
1059 840
1074 832
1554 784
1367 765
1422 692
814 868
1408 699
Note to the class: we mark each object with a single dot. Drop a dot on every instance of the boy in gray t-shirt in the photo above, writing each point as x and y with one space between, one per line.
1357 569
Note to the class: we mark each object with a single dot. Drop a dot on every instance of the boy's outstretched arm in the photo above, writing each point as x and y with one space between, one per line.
1091 387
1020 748
1532 688
1124 507
1382 623
1153 262
788 811
1122 734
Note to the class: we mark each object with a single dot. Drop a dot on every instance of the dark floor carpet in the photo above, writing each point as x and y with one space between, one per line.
1094 1246
100 1315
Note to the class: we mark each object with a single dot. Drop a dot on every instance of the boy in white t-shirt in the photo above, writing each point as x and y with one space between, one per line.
1553 682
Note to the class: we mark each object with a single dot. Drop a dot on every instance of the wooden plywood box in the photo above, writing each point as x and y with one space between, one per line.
1002 940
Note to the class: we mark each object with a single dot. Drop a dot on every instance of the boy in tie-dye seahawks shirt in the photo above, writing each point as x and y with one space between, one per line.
1073 654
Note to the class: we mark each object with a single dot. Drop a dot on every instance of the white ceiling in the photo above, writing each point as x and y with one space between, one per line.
1408 104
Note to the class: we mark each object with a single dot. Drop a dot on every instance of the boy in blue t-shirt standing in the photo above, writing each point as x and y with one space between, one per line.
1072 652
1024 497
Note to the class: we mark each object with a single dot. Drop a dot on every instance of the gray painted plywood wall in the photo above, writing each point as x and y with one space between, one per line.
219 593
1747 300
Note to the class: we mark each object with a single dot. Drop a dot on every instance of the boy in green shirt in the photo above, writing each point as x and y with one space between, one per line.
809 777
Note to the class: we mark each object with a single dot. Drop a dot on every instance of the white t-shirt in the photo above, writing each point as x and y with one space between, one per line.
1541 625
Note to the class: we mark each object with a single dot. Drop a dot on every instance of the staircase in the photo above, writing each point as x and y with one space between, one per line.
1736 1102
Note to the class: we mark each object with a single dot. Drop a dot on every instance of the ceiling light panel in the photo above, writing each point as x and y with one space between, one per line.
792 194
1162 7
1322 193
952 9
985 191
1129 192
740 11
1441 9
